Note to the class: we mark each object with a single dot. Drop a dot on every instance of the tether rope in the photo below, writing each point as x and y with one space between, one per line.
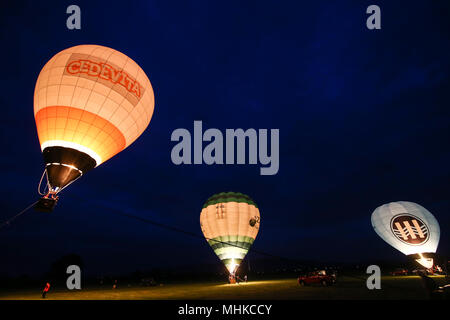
8 222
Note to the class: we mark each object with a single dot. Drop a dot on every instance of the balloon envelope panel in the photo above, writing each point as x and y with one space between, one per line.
407 226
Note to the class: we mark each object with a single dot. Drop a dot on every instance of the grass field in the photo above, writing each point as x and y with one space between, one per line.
404 287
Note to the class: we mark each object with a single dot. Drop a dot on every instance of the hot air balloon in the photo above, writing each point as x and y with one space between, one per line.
90 103
230 222
410 228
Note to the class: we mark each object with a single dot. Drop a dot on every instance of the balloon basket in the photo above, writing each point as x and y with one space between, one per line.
46 204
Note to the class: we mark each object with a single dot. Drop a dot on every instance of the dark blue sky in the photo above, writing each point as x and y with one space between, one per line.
363 118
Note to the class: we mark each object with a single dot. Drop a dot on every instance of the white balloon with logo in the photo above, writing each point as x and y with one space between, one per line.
408 227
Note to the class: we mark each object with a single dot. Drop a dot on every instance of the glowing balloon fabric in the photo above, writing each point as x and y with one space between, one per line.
230 222
90 103
408 227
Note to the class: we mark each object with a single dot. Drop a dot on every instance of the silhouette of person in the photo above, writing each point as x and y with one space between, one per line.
46 289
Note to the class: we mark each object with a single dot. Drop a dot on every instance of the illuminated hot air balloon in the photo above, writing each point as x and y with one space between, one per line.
230 222
90 103
408 227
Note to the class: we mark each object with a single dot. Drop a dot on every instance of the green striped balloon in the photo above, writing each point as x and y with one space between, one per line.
230 222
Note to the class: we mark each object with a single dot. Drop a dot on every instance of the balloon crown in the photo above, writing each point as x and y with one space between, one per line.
229 197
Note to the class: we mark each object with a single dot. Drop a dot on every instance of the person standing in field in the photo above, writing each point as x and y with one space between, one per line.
46 289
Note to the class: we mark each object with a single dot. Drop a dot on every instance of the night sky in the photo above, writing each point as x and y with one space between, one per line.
363 118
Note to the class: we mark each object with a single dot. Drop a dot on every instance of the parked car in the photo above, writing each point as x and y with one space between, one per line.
317 277
400 272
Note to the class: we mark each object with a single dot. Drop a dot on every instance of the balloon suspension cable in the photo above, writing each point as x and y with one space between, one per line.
48 188
45 192
8 222
69 183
